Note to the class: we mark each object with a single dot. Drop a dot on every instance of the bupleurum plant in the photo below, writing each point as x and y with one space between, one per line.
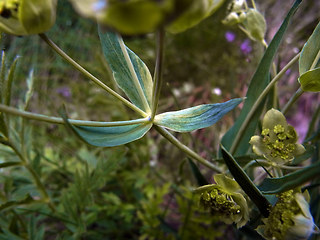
107 189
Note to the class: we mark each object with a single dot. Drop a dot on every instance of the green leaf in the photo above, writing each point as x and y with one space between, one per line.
198 11
9 164
245 183
309 66
310 80
258 83
194 118
26 200
310 51
129 71
201 180
290 181
10 81
310 149
2 75
111 136
28 95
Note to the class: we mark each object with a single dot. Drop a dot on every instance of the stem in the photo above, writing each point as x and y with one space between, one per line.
185 149
157 73
312 123
253 4
257 103
135 79
246 5
315 61
56 120
35 176
90 76
292 100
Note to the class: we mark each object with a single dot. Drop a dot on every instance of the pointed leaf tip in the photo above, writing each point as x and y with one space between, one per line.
194 118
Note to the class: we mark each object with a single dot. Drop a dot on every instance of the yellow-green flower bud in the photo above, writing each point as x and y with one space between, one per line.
290 218
225 199
25 17
254 25
128 17
231 19
278 140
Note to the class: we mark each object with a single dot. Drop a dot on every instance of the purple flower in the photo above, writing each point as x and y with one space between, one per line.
64 91
246 47
230 36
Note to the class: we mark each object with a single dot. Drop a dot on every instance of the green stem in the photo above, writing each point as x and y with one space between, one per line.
253 4
35 176
258 102
90 76
292 100
315 61
186 150
313 123
134 76
157 73
56 120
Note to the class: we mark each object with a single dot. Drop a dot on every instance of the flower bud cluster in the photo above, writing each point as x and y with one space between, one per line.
250 20
219 202
290 218
225 199
278 140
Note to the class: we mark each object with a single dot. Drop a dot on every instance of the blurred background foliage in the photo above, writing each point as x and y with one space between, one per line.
140 190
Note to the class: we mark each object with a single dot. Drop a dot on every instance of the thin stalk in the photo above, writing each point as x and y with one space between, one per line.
253 4
56 120
299 92
272 164
312 123
35 176
157 73
186 150
134 76
246 5
315 61
257 103
90 76
292 100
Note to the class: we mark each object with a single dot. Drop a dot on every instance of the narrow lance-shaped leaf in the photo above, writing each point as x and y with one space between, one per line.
309 66
290 181
9 164
10 81
310 51
201 180
245 183
129 71
27 200
110 136
258 83
194 118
